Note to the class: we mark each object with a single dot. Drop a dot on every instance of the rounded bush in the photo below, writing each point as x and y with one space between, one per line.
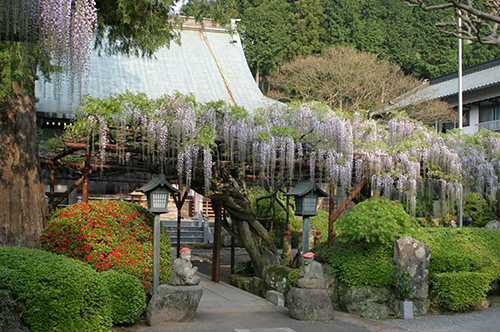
376 220
108 235
460 291
363 264
56 293
127 298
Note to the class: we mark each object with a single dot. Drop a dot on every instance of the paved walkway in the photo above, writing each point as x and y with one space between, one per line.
224 308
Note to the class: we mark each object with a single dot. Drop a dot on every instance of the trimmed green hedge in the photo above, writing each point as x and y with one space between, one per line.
460 291
127 298
470 255
360 264
375 220
464 249
57 293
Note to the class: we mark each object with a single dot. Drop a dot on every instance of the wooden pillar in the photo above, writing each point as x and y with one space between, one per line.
217 206
86 178
331 212
52 184
232 247
287 225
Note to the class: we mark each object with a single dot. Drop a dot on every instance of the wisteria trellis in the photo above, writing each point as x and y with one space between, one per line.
276 142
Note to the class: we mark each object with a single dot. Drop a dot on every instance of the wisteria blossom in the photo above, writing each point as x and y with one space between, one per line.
308 141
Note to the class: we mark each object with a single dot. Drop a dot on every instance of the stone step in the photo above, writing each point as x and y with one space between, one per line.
184 223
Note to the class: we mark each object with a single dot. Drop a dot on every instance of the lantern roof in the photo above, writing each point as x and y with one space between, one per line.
303 187
155 182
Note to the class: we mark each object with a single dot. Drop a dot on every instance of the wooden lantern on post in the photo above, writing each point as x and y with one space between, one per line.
157 191
306 194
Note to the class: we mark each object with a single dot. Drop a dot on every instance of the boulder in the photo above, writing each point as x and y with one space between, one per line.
9 316
173 304
413 256
494 224
276 278
309 304
367 301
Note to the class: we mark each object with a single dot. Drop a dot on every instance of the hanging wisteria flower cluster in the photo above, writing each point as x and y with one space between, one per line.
294 142
66 32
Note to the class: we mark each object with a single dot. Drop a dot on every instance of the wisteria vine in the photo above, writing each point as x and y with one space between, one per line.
294 142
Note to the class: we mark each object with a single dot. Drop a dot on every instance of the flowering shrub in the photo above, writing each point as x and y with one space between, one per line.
108 235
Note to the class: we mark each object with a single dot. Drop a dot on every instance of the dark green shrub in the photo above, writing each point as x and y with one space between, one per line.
375 220
460 291
108 235
360 264
57 293
402 279
127 298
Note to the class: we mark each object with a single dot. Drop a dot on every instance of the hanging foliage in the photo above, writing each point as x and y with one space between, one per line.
277 144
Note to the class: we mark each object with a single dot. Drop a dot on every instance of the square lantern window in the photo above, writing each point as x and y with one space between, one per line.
157 191
306 194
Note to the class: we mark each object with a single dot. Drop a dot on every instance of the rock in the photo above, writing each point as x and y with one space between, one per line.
421 306
358 299
9 316
494 224
482 304
276 277
276 298
256 287
377 311
413 256
173 304
310 304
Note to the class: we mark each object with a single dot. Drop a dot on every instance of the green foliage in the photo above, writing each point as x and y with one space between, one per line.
293 277
460 291
461 250
127 298
16 68
108 235
360 264
135 27
56 292
401 34
375 220
402 280
476 207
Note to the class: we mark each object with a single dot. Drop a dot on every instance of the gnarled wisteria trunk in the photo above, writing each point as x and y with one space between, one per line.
230 188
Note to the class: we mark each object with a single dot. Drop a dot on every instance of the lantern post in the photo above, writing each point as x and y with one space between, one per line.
157 191
306 194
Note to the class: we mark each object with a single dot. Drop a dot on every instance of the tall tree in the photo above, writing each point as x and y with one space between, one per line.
55 36
308 33
400 34
265 32
480 19
352 81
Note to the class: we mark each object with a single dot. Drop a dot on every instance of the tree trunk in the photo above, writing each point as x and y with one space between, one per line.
23 209
231 189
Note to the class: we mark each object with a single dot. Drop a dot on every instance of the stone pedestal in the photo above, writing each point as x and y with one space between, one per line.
406 308
310 304
173 304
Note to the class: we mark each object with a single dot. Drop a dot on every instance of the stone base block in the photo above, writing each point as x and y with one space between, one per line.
310 304
173 304
406 308
276 298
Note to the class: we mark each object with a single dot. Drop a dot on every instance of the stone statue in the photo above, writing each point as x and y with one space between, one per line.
183 272
311 273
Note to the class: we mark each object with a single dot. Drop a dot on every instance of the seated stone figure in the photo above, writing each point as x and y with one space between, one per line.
311 273
183 272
